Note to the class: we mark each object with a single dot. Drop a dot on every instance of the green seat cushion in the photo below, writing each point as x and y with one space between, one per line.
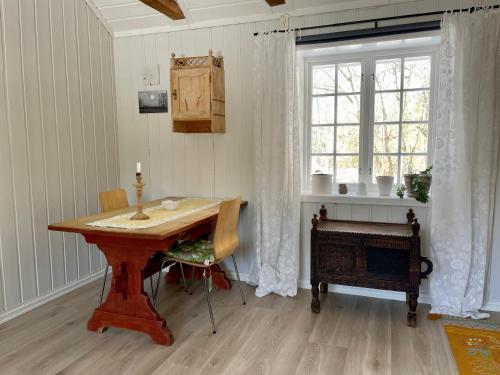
200 251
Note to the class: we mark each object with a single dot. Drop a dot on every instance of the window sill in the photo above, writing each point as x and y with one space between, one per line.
353 198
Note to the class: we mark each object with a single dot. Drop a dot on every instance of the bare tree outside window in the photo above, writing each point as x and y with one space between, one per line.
401 115
336 118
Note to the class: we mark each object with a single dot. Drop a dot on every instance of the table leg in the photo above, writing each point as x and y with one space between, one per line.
127 305
219 277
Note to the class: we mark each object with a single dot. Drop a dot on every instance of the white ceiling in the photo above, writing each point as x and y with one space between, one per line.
127 17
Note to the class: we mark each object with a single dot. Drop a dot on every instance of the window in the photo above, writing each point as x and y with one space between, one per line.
369 114
335 120
401 115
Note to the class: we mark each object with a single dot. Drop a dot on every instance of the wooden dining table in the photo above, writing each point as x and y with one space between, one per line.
131 254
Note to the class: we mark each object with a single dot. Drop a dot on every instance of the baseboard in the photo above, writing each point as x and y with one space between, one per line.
366 292
56 293
491 306
352 290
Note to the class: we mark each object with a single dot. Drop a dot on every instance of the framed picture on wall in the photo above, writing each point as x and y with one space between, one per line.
153 101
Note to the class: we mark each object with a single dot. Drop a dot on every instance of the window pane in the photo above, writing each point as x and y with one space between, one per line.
348 109
417 72
322 164
385 138
348 139
414 138
388 75
324 79
413 163
349 77
323 110
387 107
347 169
322 139
416 106
385 165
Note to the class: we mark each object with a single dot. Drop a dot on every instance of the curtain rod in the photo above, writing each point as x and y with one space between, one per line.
377 20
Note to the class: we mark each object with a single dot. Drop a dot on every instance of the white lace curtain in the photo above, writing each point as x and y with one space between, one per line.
277 168
465 161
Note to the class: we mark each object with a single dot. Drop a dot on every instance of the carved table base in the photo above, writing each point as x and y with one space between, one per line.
127 305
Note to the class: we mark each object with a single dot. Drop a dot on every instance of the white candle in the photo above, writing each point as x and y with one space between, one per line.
138 165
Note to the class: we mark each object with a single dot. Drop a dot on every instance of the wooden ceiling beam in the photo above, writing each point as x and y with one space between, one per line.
170 8
273 3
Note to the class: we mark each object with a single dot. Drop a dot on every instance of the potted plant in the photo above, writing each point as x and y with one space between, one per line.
417 185
384 184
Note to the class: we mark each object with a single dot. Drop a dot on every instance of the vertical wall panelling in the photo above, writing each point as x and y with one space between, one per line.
80 25
19 147
97 114
75 130
179 170
246 142
88 123
10 281
152 119
49 120
35 150
56 88
63 138
220 161
164 153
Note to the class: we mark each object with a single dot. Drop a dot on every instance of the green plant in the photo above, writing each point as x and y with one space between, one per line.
400 191
420 190
427 171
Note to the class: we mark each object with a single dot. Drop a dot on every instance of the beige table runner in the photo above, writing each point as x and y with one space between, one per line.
158 215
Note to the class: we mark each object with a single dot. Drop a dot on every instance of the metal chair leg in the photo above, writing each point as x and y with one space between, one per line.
151 286
239 281
155 296
104 284
190 290
183 277
207 293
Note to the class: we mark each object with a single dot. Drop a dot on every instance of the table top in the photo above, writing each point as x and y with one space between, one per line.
360 227
158 232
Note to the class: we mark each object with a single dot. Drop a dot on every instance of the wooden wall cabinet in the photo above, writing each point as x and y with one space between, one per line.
198 94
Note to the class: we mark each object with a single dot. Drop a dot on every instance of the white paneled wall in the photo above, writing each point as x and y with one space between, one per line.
58 144
222 165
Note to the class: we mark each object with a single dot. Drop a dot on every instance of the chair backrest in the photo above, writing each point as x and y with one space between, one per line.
113 200
226 239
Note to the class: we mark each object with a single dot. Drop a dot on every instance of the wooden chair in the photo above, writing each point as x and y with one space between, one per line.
113 200
203 253
110 201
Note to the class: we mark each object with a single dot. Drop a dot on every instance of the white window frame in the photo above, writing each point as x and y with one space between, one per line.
367 60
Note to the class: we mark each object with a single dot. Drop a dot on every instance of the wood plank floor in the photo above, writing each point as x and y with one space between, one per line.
271 335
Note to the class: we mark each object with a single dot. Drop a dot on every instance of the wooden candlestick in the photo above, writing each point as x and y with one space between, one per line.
139 215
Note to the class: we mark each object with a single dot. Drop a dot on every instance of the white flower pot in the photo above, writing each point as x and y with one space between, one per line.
321 183
384 184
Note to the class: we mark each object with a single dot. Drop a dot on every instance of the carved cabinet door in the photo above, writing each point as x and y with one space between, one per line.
191 94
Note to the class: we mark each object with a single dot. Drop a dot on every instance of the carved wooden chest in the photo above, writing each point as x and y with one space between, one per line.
373 255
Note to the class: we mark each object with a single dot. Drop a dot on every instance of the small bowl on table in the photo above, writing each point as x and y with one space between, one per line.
170 205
